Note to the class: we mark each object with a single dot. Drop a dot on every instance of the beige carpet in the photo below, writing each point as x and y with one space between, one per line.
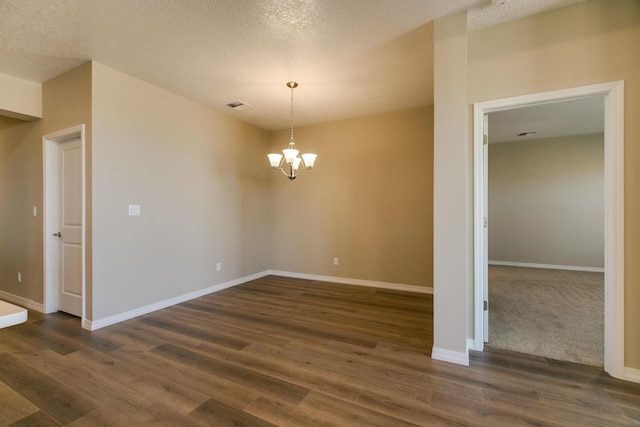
552 313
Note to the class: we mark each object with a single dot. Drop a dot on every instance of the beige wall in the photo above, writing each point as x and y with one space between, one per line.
21 99
201 181
20 190
66 102
546 201
452 249
198 175
588 43
367 202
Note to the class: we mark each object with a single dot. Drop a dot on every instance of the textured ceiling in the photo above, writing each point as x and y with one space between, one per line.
351 57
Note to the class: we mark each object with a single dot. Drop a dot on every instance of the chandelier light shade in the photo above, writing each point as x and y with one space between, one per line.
291 163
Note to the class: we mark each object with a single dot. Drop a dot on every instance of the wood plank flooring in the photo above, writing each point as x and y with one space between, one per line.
288 352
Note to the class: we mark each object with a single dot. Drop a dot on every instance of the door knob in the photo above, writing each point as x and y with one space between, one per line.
58 234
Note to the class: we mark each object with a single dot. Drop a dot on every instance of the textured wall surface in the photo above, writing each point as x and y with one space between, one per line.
546 201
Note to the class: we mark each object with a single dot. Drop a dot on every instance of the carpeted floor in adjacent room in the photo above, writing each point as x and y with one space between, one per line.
552 313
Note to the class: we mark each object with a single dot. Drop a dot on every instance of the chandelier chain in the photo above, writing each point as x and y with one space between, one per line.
292 113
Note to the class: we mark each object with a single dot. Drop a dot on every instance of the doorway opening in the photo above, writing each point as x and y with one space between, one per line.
546 230
613 211
64 221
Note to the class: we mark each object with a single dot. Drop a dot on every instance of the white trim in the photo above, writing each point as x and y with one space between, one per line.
457 357
613 93
548 266
11 314
49 203
479 269
92 325
23 302
358 282
631 374
614 230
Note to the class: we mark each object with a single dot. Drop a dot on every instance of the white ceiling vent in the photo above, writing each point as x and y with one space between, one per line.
239 105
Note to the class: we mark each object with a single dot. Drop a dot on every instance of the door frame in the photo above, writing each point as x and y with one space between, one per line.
50 214
613 93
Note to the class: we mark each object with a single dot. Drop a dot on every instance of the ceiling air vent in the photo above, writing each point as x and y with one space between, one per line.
527 133
239 105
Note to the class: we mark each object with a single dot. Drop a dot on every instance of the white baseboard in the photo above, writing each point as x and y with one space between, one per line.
457 357
548 266
120 317
631 374
358 282
23 302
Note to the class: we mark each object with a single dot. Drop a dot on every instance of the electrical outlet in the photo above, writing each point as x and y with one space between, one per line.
134 210
335 261
218 266
19 277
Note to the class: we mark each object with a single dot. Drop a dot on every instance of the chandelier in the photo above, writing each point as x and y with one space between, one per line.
290 162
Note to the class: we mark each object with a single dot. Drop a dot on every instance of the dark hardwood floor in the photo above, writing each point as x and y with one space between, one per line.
279 351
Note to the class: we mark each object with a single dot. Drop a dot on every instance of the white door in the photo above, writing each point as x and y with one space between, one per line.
485 211
69 232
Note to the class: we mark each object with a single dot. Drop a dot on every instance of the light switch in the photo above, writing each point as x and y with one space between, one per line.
35 211
134 210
